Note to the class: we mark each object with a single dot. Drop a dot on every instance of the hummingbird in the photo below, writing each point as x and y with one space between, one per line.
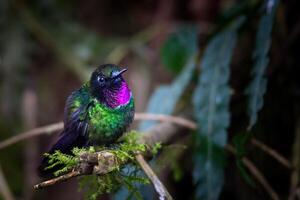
97 113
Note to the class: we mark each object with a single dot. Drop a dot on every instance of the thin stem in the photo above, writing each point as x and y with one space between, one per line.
56 180
166 118
273 153
256 173
44 130
49 129
4 188
158 185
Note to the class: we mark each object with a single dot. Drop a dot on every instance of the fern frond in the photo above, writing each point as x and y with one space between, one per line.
258 86
211 102
165 98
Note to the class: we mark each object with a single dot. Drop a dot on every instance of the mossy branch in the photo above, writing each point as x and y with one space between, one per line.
106 164
97 163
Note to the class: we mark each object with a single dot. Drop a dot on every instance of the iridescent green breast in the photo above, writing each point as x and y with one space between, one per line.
107 124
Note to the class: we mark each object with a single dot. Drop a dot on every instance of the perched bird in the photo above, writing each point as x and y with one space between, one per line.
98 113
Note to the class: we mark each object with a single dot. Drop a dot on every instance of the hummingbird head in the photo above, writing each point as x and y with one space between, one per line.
108 85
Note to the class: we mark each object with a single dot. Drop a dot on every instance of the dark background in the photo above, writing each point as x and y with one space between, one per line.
48 48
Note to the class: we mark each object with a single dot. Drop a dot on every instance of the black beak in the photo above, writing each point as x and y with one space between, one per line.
116 75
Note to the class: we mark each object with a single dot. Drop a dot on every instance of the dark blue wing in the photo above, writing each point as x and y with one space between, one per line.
75 133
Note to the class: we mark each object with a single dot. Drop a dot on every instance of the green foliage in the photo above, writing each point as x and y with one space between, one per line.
258 85
112 181
169 158
96 185
211 101
60 159
165 98
178 48
88 46
129 146
132 183
184 40
156 147
67 162
244 173
240 142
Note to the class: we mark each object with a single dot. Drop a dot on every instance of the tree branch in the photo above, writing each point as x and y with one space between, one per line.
97 163
159 187
59 179
49 129
103 162
160 133
44 130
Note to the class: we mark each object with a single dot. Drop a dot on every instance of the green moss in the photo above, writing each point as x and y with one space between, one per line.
60 159
129 146
67 162
93 185
156 147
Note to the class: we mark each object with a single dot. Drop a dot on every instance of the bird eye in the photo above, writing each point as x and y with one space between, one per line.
100 79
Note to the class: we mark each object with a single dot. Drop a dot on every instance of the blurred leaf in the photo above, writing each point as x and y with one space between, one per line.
235 9
240 141
211 101
14 58
133 190
163 101
244 173
165 98
84 44
178 47
4 13
258 85
213 164
169 159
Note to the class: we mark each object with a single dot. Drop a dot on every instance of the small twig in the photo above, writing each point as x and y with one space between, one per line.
260 178
256 173
4 189
295 176
285 162
158 185
56 180
31 133
167 118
